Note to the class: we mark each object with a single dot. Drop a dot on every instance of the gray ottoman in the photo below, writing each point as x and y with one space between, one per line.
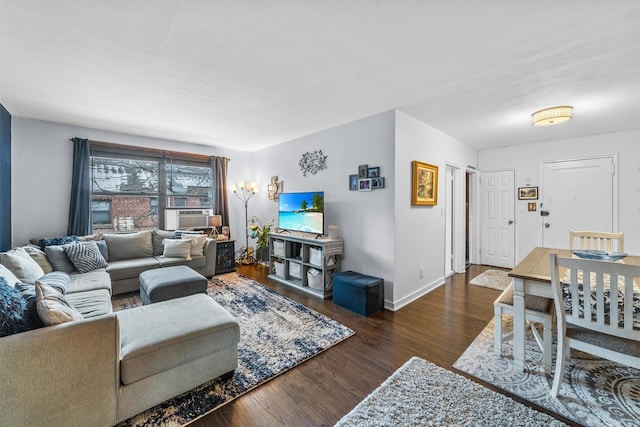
162 284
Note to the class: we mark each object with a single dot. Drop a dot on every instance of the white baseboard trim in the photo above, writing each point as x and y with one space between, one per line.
397 305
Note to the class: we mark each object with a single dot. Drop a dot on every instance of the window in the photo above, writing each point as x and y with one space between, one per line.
129 190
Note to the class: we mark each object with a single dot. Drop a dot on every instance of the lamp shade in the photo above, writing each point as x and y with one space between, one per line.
215 220
552 116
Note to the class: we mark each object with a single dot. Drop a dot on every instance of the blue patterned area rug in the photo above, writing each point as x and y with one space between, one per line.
594 391
276 334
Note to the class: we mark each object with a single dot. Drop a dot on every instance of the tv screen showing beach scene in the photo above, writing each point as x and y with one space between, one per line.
301 212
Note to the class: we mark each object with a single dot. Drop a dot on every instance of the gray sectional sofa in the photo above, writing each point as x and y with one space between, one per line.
108 366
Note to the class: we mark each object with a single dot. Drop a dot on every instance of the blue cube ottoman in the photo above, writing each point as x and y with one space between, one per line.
162 284
357 292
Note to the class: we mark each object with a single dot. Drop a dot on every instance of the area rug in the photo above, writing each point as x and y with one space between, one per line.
423 394
494 279
276 334
594 392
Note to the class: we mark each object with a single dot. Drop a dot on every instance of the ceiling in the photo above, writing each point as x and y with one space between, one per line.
250 74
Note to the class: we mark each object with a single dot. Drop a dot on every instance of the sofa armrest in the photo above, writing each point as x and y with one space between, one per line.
61 375
210 248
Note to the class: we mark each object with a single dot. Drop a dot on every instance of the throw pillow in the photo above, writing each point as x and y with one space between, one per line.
53 308
129 246
85 256
56 241
197 245
157 237
6 274
58 280
59 259
102 245
13 310
40 257
22 265
177 248
28 292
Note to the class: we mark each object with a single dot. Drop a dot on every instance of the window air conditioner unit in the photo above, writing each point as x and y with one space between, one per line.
185 219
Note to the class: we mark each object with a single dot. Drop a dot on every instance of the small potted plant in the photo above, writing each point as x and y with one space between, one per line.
261 233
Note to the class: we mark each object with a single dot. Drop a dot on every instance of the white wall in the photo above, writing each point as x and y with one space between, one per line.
364 219
41 164
420 230
527 159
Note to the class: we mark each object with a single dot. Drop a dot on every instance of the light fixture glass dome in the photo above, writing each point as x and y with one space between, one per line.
552 116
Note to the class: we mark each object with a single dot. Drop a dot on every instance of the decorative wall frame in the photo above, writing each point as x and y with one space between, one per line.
377 183
527 193
424 184
362 171
353 182
312 162
373 172
364 184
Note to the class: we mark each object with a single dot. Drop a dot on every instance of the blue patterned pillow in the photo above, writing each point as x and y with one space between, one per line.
13 310
57 241
57 279
85 256
28 292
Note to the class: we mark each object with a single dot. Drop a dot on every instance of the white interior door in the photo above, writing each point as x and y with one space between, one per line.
498 216
578 195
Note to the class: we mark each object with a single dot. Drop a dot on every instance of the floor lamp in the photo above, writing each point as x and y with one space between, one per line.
244 193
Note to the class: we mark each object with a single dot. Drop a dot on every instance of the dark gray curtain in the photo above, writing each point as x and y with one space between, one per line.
80 205
219 166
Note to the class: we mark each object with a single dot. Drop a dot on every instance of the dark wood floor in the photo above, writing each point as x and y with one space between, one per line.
437 327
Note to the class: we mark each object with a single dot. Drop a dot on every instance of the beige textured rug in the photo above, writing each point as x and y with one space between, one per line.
494 279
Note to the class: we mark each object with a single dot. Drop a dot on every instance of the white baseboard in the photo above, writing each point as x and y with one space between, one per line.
396 305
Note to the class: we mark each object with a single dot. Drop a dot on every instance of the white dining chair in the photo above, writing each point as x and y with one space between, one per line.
537 310
605 325
598 240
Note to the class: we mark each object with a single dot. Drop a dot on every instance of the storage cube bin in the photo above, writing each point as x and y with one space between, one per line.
314 279
278 247
279 267
357 292
315 256
295 270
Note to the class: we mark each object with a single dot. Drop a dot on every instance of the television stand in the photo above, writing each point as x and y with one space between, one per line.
291 257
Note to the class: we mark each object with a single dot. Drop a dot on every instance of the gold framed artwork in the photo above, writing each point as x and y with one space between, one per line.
424 184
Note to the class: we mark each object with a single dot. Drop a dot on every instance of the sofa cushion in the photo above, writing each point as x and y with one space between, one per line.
40 257
157 237
85 256
195 262
52 306
129 246
177 248
56 241
58 280
129 268
59 259
96 279
91 303
104 250
14 313
21 265
158 337
197 242
7 275
28 292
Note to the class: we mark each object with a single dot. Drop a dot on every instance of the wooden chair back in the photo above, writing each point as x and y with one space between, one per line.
598 240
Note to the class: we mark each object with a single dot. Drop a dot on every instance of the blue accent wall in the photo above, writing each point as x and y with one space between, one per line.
5 179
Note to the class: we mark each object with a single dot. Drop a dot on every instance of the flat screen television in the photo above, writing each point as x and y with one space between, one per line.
301 212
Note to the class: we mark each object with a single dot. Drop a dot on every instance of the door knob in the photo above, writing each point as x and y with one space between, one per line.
547 225
510 221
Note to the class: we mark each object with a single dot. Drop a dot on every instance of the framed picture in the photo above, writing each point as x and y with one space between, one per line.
364 184
362 171
353 182
531 206
527 193
424 184
373 172
377 183
226 232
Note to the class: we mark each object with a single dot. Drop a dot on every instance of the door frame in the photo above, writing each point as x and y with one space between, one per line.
458 218
615 224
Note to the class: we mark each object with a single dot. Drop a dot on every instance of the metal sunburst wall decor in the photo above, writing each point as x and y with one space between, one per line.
312 162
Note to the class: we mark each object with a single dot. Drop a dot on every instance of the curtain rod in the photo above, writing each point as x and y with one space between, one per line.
170 153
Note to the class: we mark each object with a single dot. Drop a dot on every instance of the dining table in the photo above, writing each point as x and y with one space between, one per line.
532 276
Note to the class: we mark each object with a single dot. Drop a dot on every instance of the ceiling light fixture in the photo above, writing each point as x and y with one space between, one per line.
552 116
